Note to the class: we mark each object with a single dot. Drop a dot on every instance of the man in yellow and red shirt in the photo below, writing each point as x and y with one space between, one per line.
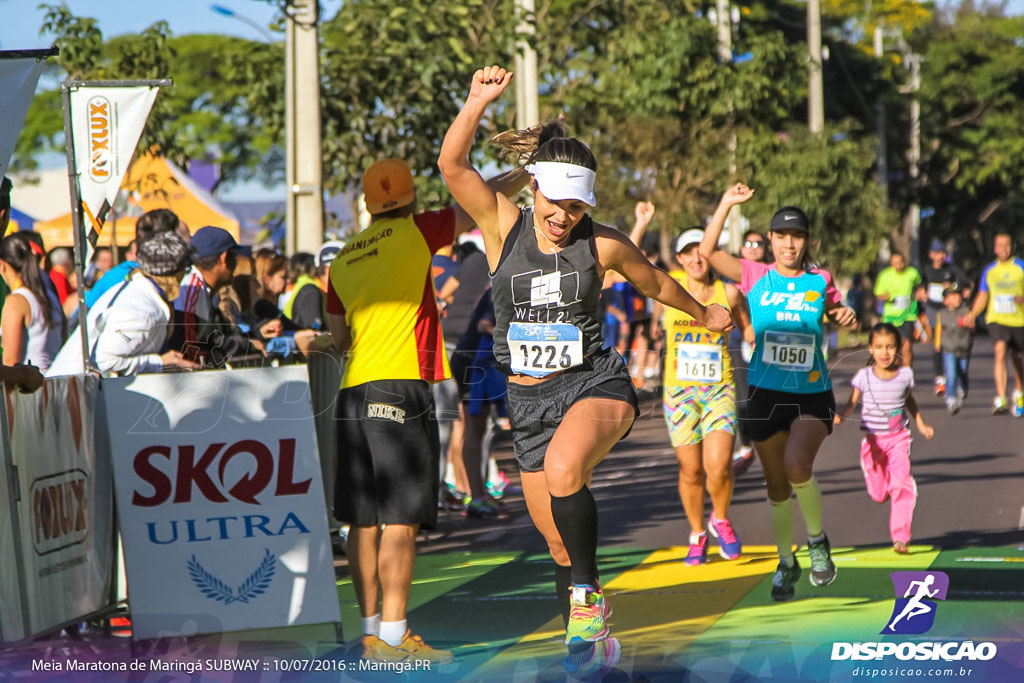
382 314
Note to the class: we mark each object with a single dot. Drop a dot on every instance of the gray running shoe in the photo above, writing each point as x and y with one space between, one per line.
823 569
784 581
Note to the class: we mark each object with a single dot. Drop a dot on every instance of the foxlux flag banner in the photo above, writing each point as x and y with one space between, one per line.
18 78
106 124
220 501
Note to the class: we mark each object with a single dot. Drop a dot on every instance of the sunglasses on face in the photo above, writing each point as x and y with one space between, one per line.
753 244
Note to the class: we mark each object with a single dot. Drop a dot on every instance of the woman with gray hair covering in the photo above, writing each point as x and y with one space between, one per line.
129 325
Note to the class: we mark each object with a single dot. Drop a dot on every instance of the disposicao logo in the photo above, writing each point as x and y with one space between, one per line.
913 614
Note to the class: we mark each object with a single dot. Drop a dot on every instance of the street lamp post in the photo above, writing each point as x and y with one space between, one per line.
228 12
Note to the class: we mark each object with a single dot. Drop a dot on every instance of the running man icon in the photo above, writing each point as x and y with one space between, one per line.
915 607
915 611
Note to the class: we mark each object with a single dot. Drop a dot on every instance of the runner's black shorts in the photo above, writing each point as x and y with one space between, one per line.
535 411
907 331
388 454
1013 336
770 412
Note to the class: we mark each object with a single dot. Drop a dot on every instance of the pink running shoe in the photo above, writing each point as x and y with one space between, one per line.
729 546
698 552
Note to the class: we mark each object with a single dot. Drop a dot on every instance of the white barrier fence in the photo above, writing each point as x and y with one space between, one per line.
220 498
61 505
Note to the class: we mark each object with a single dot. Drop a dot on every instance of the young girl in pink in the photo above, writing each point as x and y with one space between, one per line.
884 390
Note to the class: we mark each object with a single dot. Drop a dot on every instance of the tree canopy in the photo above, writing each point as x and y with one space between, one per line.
638 80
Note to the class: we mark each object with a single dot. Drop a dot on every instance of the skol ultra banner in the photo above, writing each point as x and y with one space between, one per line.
220 501
18 78
65 507
106 123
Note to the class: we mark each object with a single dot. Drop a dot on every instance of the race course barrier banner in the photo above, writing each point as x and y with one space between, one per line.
220 501
66 503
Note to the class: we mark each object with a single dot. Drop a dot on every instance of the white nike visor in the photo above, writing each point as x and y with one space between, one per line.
559 181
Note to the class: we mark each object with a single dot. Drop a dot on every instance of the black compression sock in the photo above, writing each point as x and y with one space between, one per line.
575 517
563 583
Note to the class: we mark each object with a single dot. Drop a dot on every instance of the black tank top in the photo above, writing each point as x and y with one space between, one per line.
546 295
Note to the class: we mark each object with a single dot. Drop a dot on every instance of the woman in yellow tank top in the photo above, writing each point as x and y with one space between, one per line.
700 399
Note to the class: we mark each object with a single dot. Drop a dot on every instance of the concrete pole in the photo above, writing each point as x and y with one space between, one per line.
882 170
914 157
527 110
306 186
289 134
723 21
815 86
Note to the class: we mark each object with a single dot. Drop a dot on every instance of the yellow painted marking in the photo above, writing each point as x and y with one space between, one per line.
660 606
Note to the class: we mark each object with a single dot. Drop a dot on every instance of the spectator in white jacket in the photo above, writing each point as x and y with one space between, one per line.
128 326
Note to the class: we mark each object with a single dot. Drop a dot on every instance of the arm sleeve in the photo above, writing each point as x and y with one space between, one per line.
437 227
910 379
117 348
752 272
832 295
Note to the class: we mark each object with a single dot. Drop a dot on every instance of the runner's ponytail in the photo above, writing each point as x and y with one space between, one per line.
544 142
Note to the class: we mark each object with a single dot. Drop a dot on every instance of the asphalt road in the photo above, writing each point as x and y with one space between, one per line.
969 480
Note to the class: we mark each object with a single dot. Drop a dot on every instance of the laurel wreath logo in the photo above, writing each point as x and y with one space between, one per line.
215 589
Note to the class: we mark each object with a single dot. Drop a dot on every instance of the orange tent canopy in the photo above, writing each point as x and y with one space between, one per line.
151 183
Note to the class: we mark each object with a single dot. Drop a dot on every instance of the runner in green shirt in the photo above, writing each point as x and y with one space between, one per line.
895 286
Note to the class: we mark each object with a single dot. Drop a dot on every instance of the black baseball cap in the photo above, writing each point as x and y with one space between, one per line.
953 287
790 218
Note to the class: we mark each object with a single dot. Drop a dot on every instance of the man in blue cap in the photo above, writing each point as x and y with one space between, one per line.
938 274
200 330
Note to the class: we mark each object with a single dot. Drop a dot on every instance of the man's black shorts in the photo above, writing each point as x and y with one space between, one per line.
770 412
388 454
1013 336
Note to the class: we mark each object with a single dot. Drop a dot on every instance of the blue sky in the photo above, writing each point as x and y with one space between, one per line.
19 28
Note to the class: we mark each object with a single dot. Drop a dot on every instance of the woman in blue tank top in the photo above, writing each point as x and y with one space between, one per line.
791 405
569 402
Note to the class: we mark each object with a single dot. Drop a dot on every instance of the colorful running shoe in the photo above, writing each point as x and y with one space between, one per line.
698 553
410 649
484 508
823 569
729 547
784 581
1018 404
587 615
742 460
593 659
999 406
502 486
370 645
940 385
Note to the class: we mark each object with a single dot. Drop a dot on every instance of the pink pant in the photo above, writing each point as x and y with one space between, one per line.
885 459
